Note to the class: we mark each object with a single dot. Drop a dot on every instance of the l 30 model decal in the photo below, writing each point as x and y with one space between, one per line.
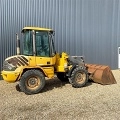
18 61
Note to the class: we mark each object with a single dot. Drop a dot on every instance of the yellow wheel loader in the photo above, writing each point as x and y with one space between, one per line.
40 60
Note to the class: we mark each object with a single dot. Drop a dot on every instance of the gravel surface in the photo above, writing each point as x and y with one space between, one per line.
60 101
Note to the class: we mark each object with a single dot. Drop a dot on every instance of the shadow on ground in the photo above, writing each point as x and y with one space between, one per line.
54 83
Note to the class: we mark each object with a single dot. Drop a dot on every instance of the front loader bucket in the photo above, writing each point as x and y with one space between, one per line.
101 74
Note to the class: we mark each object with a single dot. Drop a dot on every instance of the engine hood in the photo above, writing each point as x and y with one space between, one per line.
17 60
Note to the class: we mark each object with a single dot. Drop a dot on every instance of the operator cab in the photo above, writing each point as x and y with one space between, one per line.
38 42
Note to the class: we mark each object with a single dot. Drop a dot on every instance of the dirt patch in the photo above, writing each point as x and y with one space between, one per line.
60 101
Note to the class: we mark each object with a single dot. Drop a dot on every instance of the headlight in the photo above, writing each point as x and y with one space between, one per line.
8 67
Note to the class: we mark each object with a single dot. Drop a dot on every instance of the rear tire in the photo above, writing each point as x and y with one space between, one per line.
32 82
79 77
61 76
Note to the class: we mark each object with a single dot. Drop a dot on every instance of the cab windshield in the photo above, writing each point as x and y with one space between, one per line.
41 43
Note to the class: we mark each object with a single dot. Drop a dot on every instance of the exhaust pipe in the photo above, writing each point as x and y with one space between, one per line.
18 44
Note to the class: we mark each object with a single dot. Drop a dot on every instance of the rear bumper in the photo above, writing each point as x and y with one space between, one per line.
10 76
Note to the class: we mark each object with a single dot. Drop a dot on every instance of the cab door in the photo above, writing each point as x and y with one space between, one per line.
42 48
44 58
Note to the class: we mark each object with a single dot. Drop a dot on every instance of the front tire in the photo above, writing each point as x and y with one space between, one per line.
32 82
79 77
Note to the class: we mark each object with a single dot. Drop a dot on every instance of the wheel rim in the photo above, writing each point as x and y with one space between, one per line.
80 78
33 83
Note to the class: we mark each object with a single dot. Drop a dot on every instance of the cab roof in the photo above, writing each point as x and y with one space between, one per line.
37 28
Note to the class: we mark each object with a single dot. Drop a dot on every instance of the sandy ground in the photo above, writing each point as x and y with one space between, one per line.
60 101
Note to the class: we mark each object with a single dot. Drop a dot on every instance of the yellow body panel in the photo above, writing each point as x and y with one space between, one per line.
10 76
49 71
13 76
61 62
47 64
32 60
43 61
